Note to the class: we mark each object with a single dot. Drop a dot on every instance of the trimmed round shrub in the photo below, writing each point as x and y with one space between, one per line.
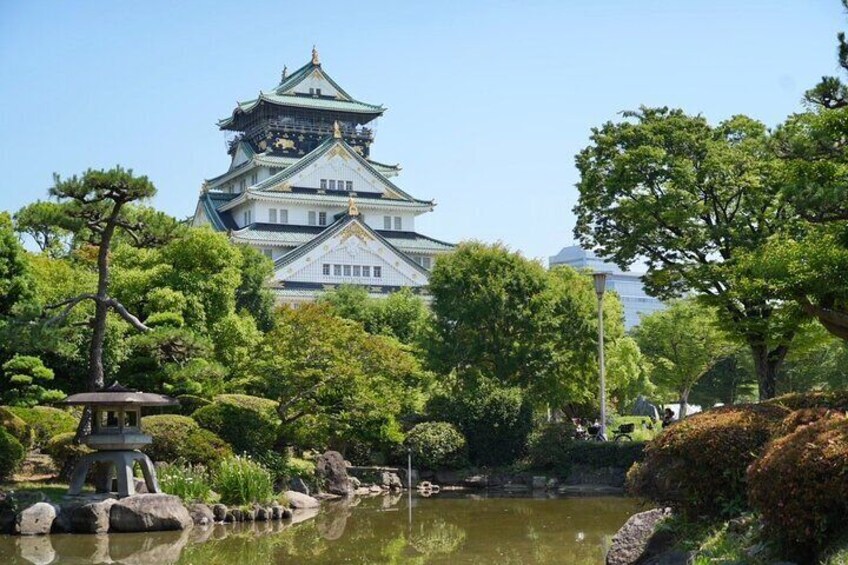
804 417
837 400
181 438
798 485
46 422
64 452
248 423
495 421
549 446
16 426
190 403
698 465
437 445
11 454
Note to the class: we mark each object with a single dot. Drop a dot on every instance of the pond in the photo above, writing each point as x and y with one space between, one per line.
447 528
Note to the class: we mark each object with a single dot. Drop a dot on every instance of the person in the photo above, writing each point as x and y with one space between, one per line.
668 417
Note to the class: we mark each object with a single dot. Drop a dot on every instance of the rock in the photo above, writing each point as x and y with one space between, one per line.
140 486
362 491
230 517
375 489
672 558
356 483
91 518
237 514
37 550
391 480
276 512
630 543
201 514
220 512
331 471
298 500
552 484
286 514
149 513
539 483
36 520
299 485
248 515
476 481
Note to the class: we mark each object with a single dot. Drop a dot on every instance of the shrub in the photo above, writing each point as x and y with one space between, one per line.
495 421
549 444
11 454
437 445
248 423
837 400
64 452
16 426
698 465
799 485
190 404
804 417
179 437
606 454
240 480
46 422
191 483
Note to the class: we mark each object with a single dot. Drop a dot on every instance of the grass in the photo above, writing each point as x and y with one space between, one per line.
53 490
191 483
638 434
240 480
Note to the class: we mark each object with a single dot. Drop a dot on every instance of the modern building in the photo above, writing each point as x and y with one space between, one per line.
302 188
628 285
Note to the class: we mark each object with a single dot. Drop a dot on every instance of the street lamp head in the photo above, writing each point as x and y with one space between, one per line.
600 283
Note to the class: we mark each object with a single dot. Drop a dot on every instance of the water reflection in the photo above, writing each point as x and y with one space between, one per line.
444 529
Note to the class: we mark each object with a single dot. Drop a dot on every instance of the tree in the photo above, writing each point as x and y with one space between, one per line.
47 223
690 199
730 381
682 342
16 283
98 200
628 373
24 379
253 294
401 314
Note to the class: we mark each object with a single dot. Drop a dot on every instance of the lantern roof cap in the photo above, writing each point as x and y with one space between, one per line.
116 394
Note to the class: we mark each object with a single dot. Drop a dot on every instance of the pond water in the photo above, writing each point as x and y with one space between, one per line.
447 528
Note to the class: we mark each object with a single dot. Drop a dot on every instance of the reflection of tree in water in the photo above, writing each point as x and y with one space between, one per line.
436 537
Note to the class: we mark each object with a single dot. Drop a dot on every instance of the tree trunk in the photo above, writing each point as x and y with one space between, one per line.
767 363
684 403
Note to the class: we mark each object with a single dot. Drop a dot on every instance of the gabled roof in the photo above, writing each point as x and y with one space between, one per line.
333 230
210 201
323 148
283 95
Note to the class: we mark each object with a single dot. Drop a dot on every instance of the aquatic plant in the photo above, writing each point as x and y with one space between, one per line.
191 483
241 480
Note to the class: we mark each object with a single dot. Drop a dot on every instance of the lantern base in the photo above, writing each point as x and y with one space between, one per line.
121 464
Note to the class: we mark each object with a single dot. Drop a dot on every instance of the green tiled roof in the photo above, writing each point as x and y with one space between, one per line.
280 95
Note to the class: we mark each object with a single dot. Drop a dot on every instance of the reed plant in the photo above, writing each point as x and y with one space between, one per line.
192 483
241 480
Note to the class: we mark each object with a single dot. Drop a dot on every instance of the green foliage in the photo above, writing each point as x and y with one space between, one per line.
495 420
248 423
235 338
253 295
16 284
64 451
190 403
729 381
437 445
11 454
548 446
16 426
606 454
192 483
240 480
23 379
401 315
798 485
552 448
682 343
335 383
47 223
698 465
181 438
46 422
658 187
835 400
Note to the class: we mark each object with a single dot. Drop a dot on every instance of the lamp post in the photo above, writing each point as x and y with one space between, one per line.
600 280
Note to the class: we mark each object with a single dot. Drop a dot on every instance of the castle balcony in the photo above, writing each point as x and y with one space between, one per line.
352 132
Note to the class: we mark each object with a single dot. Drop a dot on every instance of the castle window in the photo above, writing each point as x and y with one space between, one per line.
398 222
426 262
323 184
312 218
366 270
272 215
322 218
337 270
332 184
326 269
346 270
246 217
318 91
340 184
284 216
378 272
252 179
241 185
357 271
349 185
387 222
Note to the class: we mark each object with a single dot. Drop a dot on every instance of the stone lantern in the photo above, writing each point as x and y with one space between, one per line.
116 437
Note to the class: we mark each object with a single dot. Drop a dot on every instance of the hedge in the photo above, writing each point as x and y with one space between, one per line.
11 454
248 423
46 422
64 452
16 426
698 465
552 448
799 485
178 437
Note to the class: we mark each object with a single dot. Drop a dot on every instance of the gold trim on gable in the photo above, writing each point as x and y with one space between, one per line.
355 230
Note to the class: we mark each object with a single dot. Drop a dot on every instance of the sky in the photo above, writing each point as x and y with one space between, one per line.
488 102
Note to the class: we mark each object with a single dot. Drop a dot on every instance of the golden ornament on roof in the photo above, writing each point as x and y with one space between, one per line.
337 131
352 210
315 60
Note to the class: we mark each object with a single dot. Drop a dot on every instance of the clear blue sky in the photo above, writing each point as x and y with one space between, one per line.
488 101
